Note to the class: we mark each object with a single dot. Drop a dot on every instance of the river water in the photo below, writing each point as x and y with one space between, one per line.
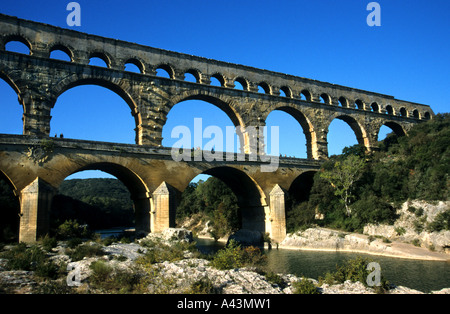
424 276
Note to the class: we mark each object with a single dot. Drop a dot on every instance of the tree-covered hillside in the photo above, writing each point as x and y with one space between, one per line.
355 188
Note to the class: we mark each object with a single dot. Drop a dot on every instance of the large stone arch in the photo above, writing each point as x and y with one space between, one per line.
250 196
305 122
356 124
9 215
134 183
225 104
119 87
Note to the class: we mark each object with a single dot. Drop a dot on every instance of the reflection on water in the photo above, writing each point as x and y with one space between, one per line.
424 276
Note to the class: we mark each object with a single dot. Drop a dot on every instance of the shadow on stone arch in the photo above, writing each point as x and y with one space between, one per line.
9 210
138 193
249 195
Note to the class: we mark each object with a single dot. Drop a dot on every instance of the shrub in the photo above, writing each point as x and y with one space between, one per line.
89 249
234 256
440 222
305 286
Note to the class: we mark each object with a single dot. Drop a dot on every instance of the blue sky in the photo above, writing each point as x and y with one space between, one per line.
406 57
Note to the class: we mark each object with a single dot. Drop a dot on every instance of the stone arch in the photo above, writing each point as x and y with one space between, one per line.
287 91
301 186
395 127
20 38
224 104
244 82
9 216
166 67
266 88
356 126
307 126
137 62
121 89
63 48
196 73
103 56
325 98
6 78
219 77
306 94
136 186
250 196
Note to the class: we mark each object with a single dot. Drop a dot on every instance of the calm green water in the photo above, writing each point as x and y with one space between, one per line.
424 276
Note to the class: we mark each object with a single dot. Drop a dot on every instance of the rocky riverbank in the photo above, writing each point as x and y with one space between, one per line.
188 274
409 237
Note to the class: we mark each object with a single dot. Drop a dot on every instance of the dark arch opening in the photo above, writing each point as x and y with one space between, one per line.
192 76
197 115
291 142
375 107
248 196
120 200
325 99
264 88
359 104
9 211
12 115
285 92
91 110
298 213
305 95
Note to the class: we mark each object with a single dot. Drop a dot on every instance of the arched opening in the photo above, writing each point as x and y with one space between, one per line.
165 70
403 112
359 104
208 207
294 133
264 88
203 123
134 65
18 45
9 211
298 213
99 62
416 114
389 110
189 77
248 195
94 112
217 80
60 52
192 76
325 99
240 83
103 196
427 116
305 95
343 102
344 131
375 107
389 133
12 111
285 92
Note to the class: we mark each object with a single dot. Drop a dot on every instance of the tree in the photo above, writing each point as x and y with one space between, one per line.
343 176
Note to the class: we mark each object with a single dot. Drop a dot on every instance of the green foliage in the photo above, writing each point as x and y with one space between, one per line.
99 203
88 249
234 256
305 286
354 189
215 200
440 222
33 258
